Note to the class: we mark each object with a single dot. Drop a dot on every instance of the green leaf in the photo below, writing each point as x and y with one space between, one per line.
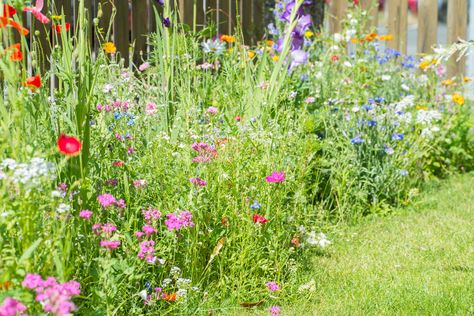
27 254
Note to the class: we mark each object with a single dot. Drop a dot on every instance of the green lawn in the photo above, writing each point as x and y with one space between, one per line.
419 261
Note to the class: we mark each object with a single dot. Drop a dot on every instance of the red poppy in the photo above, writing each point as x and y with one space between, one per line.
8 11
66 26
118 163
259 219
16 54
334 58
237 118
34 82
69 145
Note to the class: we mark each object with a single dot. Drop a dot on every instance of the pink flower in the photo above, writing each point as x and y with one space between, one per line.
106 200
54 297
110 244
144 66
139 234
150 108
238 118
275 310
147 251
275 177
310 100
86 214
273 286
121 203
12 307
96 228
212 110
259 219
151 214
148 230
108 228
130 151
139 183
198 182
205 151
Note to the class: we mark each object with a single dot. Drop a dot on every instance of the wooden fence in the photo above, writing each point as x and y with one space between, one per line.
135 18
397 23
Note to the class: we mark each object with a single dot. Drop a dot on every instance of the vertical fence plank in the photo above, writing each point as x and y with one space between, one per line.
258 20
427 25
457 28
337 10
186 12
397 24
104 21
122 28
372 8
139 29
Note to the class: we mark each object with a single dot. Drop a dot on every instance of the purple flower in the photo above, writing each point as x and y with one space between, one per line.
106 200
275 310
273 286
298 57
86 214
166 22
396 136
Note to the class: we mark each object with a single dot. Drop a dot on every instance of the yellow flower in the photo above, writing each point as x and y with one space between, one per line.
457 98
355 40
387 37
422 107
427 62
109 48
371 37
308 34
57 17
276 58
251 53
467 79
447 82
228 38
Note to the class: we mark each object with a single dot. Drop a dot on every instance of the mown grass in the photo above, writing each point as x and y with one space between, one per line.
420 261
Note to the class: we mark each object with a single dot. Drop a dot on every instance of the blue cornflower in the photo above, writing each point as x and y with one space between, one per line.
117 115
357 140
367 107
130 122
396 136
255 205
371 123
379 100
408 62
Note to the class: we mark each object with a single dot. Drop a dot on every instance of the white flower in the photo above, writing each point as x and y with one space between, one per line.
166 282
426 117
143 294
347 64
310 287
215 47
62 208
57 194
405 87
386 78
337 37
107 88
317 240
355 109
181 293
292 95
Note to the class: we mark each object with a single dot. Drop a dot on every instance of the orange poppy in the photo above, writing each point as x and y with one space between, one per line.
170 297
4 22
16 54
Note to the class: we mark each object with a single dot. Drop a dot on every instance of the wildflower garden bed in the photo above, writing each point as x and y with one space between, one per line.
209 173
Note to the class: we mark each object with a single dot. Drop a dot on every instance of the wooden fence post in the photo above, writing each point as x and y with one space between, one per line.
427 25
372 8
457 27
338 10
122 28
140 16
397 24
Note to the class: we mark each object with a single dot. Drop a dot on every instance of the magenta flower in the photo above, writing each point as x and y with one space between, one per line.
151 214
179 221
139 183
147 251
148 230
273 286
106 200
110 244
275 177
86 214
12 307
275 310
139 234
198 182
